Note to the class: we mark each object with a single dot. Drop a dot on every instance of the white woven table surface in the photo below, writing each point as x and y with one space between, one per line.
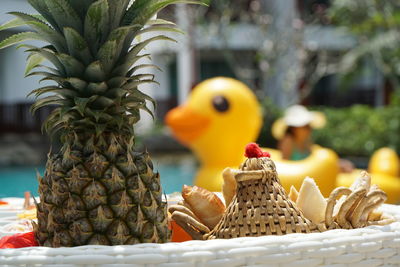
371 246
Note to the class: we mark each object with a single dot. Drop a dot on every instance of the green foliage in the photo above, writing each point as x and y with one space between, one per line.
354 131
270 113
360 130
376 26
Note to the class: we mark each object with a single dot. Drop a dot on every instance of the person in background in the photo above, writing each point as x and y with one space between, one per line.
294 131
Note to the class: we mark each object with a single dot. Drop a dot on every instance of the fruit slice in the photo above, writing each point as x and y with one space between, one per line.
311 201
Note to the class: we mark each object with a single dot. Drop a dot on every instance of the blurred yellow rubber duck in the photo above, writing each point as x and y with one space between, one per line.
221 116
384 167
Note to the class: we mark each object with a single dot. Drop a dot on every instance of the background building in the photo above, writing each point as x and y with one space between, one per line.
270 45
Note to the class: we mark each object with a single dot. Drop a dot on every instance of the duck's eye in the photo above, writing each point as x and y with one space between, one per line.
220 103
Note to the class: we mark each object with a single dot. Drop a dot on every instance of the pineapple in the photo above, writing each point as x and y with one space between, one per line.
96 190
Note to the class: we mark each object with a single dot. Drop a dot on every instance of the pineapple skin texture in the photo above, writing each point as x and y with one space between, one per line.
100 194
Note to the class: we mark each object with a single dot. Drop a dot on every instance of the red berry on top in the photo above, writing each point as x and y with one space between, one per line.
254 151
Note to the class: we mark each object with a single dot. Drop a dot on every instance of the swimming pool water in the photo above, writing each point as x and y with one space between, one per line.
14 181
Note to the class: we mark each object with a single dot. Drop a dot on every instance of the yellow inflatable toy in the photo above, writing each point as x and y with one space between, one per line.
321 164
221 116
384 167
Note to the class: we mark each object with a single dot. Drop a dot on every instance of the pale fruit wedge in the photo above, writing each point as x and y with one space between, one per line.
311 201
293 194
229 185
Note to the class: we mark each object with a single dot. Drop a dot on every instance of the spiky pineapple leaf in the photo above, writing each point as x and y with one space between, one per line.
42 8
117 10
136 103
20 37
160 29
94 72
99 115
115 93
97 24
97 88
110 52
140 46
63 82
52 70
76 83
138 77
17 22
125 69
49 100
160 22
146 109
117 81
135 83
65 92
81 7
81 103
73 67
32 62
139 8
107 55
53 115
143 66
142 10
99 128
48 55
77 45
103 102
45 31
53 122
139 94
64 14
132 102
47 76
132 57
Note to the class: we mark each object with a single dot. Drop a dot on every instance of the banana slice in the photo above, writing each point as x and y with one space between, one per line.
311 201
293 194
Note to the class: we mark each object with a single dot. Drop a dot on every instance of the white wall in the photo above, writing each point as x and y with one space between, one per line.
13 5
13 86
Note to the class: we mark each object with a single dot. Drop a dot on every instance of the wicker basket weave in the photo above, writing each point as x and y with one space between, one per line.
260 206
370 246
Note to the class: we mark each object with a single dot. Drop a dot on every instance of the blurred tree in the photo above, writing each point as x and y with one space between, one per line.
376 25
285 61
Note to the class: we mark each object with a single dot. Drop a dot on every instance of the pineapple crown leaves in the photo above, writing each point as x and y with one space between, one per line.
93 47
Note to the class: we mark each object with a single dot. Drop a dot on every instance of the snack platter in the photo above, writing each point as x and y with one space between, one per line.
14 218
369 246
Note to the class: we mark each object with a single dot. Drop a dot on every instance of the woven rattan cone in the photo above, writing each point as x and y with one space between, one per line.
261 205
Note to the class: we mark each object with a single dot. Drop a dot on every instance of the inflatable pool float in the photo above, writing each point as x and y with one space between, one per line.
221 116
385 172
321 165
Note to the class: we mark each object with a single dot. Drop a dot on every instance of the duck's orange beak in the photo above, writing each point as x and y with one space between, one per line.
186 124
